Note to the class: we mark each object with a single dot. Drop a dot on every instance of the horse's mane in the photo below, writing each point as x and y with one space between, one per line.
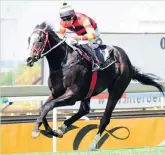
49 27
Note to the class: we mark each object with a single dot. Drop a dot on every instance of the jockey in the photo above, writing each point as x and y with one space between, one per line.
84 27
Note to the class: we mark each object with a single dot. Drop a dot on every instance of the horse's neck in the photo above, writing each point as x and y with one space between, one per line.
60 57
55 59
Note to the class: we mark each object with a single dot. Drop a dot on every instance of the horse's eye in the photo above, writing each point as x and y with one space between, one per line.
41 40
28 40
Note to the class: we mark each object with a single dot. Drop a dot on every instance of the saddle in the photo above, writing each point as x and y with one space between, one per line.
103 53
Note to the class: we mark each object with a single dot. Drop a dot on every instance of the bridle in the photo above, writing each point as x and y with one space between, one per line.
40 50
33 59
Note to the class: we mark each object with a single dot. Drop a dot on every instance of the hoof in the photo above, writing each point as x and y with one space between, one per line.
91 148
35 134
59 133
94 146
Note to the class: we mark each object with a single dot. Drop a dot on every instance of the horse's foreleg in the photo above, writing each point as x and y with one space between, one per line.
42 117
48 130
45 122
63 100
83 110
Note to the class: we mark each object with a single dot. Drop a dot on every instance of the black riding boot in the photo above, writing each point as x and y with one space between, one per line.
91 52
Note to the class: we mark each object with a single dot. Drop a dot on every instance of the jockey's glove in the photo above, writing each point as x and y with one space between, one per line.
71 41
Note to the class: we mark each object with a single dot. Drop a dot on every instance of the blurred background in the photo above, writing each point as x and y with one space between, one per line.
18 18
137 26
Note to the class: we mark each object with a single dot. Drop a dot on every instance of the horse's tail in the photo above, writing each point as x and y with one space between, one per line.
147 79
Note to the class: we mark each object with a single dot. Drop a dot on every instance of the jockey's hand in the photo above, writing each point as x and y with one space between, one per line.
76 37
73 42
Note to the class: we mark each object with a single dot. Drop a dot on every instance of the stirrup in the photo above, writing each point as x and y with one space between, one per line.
95 67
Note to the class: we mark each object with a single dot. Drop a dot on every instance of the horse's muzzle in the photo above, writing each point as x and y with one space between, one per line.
30 61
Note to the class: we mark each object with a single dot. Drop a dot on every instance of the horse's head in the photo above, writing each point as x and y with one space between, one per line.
39 42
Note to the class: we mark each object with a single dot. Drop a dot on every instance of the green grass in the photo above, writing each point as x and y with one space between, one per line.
134 151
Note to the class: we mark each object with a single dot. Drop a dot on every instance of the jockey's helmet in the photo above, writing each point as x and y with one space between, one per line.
66 12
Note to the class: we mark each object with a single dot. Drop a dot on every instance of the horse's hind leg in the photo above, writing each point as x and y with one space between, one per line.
83 110
115 94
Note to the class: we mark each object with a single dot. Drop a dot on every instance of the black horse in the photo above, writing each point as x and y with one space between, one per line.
71 78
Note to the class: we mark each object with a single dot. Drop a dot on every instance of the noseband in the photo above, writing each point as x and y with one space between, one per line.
45 42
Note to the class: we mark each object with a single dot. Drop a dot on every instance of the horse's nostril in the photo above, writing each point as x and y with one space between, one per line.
28 59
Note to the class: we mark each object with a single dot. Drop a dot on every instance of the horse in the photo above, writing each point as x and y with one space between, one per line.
71 78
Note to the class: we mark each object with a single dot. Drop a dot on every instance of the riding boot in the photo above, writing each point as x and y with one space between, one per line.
91 52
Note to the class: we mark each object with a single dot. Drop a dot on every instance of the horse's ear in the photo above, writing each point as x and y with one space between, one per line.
46 27
36 26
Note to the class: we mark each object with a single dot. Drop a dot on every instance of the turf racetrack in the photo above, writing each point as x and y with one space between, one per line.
134 151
